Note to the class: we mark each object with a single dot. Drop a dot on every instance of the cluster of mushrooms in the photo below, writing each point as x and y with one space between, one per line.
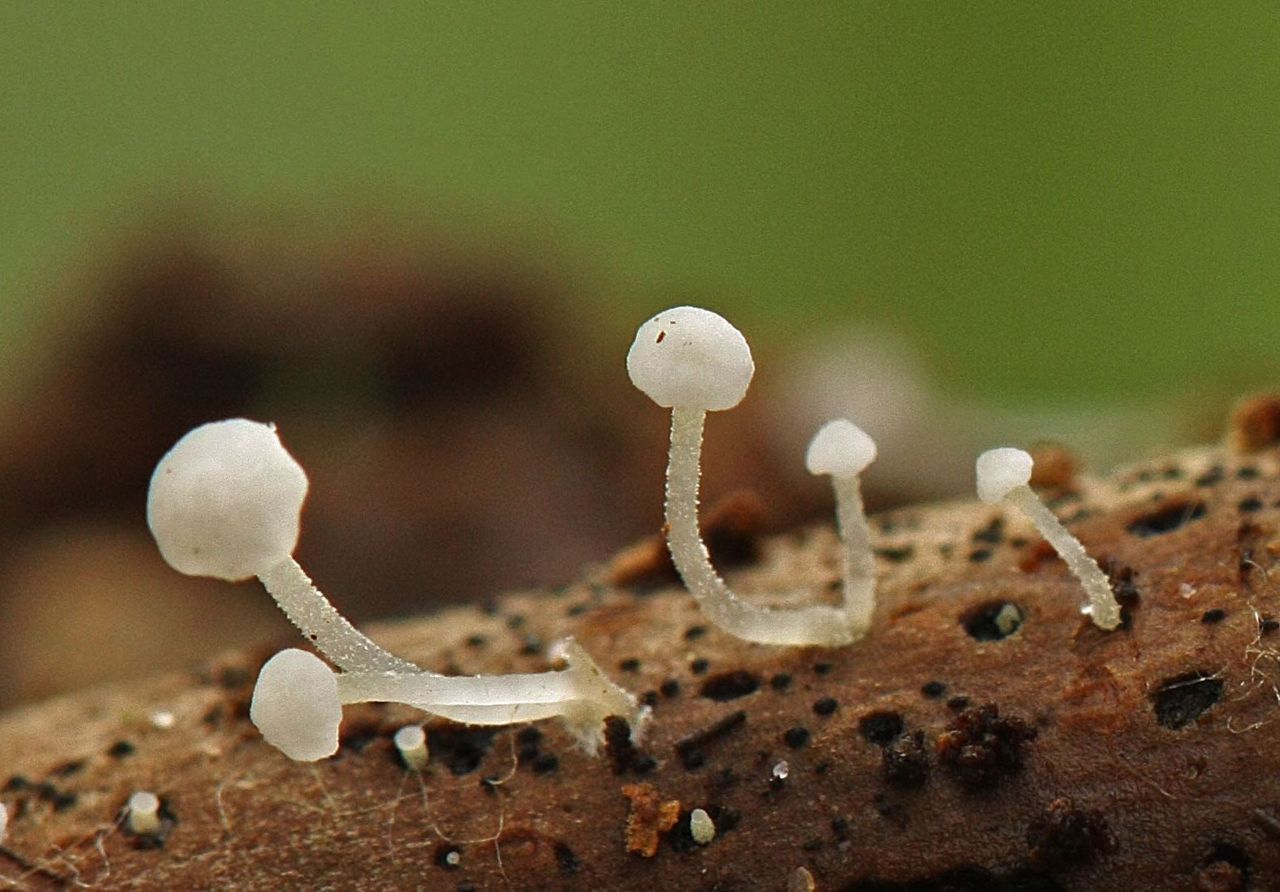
226 502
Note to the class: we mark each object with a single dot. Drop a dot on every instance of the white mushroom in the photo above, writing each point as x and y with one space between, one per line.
693 361
142 813
297 703
1004 476
226 502
843 450
701 827
411 744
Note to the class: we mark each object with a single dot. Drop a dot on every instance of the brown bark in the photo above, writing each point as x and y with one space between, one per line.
933 755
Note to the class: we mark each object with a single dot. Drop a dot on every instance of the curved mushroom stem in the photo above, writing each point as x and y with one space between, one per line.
804 626
860 565
580 694
1103 607
321 624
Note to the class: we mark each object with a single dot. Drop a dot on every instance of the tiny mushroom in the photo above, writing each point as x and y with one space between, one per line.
142 814
843 450
701 827
297 702
1004 476
693 361
411 744
225 501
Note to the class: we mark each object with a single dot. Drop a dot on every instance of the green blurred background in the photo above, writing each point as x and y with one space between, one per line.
1057 201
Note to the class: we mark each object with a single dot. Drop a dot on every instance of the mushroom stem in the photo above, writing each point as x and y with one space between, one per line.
321 624
860 566
1103 607
803 626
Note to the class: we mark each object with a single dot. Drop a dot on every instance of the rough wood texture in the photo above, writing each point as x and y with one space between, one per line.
939 753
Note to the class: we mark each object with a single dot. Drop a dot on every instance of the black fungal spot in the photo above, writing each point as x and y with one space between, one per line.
631 664
1181 700
825 706
1249 505
690 749
1065 836
840 828
462 749
822 668
49 793
932 690
545 763
532 646
980 555
1225 869
692 760
120 749
780 682
16 784
649 699
979 746
644 764
905 761
730 685
699 666
566 860
992 620
1212 477
1211 617
618 745
476 641
992 533
670 688
693 633
958 704
1166 519
1267 626
796 737
896 555
880 728
1248 472
67 769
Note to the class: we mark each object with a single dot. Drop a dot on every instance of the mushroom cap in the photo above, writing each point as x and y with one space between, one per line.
226 501
1000 470
295 705
840 448
692 358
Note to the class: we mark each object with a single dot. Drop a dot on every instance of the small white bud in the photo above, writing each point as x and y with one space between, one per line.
701 827
1001 470
841 449
143 813
296 707
411 743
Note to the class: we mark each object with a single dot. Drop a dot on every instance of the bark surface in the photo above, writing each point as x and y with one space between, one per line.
984 735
